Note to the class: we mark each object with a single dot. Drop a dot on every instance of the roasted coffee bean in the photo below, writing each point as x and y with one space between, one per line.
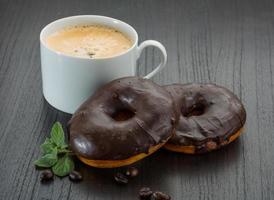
46 175
120 178
75 176
160 196
132 172
145 193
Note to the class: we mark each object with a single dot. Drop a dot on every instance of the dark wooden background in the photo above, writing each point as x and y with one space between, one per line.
227 42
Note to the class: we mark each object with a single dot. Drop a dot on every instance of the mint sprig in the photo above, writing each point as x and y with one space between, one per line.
48 160
47 147
55 152
57 135
63 166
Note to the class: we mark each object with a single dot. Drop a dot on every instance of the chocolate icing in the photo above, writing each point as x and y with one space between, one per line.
207 113
122 119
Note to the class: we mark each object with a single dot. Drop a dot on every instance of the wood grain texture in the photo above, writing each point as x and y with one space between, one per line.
227 42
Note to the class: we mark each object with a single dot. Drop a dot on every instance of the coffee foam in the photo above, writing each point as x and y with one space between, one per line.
91 41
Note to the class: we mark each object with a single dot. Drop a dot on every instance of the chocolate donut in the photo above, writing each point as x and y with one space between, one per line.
210 117
123 122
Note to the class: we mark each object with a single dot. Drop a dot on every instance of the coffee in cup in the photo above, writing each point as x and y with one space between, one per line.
89 41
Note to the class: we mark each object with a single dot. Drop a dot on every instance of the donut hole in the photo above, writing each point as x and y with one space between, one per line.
194 110
122 114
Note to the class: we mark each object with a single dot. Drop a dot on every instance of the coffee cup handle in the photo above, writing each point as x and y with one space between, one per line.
157 44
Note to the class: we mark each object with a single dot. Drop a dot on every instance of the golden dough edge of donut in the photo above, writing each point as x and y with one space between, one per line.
120 163
191 149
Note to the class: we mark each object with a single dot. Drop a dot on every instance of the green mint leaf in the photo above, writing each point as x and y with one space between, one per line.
57 134
47 160
47 147
63 166
63 151
64 146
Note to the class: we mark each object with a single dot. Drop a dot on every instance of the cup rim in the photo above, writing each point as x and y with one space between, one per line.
82 16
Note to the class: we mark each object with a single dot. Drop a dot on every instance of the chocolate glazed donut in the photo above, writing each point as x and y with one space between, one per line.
210 117
123 122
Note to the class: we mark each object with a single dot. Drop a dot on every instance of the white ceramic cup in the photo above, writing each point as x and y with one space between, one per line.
68 81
